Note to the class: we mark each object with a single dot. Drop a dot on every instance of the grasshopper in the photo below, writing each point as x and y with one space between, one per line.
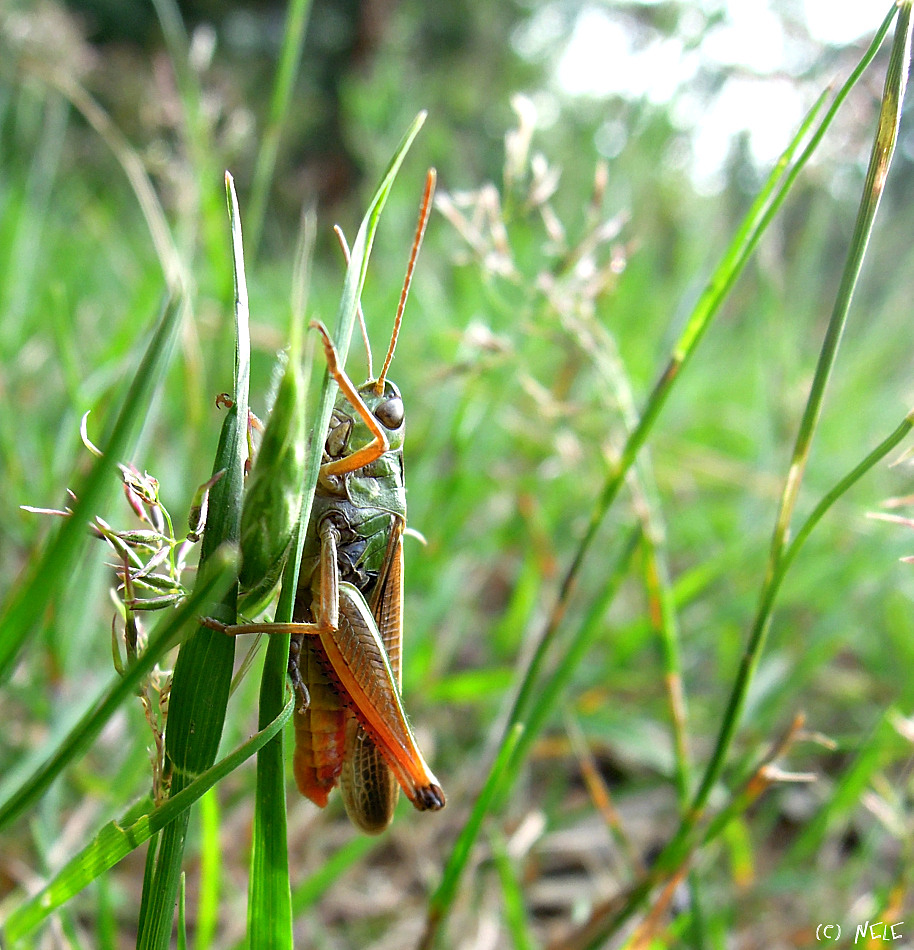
350 728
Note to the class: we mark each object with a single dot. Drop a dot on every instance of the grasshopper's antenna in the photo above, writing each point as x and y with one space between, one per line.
358 307
424 211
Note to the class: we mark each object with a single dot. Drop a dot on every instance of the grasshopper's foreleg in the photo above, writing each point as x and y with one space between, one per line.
379 443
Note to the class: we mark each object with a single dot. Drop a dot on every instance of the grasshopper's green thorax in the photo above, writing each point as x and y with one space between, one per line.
348 432
364 504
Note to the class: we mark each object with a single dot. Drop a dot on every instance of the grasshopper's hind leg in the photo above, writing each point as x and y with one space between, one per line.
360 672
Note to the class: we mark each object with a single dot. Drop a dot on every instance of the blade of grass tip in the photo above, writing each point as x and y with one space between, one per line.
880 161
874 186
289 62
118 838
270 894
121 689
203 669
352 292
24 608
766 205
182 913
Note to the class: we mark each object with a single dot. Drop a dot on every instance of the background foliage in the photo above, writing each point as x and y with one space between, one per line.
532 324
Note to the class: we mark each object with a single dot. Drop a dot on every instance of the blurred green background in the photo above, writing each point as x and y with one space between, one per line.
549 293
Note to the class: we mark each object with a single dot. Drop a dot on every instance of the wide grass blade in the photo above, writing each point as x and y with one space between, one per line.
203 669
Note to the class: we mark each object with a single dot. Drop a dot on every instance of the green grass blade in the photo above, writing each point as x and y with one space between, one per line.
293 42
345 319
725 274
118 838
507 766
352 289
21 615
201 149
270 899
845 484
203 669
311 890
269 895
598 930
122 688
880 160
443 898
211 869
513 895
880 745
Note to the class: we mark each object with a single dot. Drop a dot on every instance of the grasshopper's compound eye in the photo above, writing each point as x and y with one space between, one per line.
390 413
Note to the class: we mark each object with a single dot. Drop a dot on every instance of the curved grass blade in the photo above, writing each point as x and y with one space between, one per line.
122 688
780 556
118 838
880 160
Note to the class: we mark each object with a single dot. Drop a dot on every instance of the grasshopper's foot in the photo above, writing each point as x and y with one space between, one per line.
298 684
429 798
212 624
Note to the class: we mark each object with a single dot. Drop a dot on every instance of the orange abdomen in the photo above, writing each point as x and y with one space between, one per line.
320 732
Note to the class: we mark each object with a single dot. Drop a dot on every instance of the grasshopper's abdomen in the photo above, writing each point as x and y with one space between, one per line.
331 747
320 731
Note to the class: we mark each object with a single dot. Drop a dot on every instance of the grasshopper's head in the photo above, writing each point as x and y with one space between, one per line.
348 431
387 408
